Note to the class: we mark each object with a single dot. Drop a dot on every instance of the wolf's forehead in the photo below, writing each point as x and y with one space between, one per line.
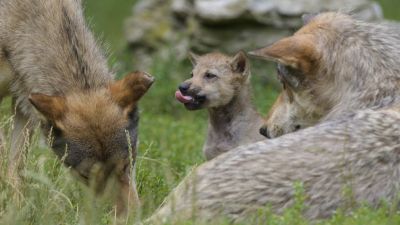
214 59
94 116
97 118
212 67
216 66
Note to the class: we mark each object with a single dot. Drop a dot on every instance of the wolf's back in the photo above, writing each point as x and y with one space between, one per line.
359 153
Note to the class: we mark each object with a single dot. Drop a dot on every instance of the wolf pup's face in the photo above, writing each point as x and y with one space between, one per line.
215 80
94 132
300 69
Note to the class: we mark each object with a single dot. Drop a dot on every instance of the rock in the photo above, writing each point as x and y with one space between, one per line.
299 7
232 39
370 12
182 8
149 26
178 26
220 10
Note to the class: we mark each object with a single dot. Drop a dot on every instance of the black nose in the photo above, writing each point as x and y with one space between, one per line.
264 132
184 87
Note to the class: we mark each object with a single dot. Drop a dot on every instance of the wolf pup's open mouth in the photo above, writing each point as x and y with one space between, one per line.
182 98
190 102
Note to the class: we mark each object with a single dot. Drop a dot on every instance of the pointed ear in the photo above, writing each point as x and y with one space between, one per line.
128 91
240 63
298 52
193 58
52 107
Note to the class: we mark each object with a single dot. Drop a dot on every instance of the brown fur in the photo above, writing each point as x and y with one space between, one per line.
58 77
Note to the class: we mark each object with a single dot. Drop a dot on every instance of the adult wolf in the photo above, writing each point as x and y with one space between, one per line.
341 74
332 66
58 77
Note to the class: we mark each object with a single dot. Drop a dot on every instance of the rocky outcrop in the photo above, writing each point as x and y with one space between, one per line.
225 25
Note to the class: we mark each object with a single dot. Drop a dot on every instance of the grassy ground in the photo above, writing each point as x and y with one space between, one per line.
170 145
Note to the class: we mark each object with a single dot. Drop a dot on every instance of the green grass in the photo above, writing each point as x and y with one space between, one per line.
390 9
171 140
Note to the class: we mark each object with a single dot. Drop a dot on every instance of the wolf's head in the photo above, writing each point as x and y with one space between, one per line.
323 69
215 80
95 131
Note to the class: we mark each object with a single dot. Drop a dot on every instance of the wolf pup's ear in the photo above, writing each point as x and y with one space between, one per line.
298 52
240 63
193 58
128 91
52 107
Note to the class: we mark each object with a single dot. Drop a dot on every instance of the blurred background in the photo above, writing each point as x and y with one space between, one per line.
155 36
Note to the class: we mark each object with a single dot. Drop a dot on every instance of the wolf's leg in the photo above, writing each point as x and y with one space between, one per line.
5 81
5 78
20 139
128 198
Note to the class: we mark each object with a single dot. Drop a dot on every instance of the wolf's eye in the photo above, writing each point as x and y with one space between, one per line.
57 132
210 76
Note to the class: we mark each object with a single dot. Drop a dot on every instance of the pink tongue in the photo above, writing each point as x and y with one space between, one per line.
180 97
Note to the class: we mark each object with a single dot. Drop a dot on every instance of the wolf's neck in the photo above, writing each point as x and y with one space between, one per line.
57 49
240 109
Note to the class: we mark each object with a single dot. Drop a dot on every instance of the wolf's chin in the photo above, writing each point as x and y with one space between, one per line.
193 106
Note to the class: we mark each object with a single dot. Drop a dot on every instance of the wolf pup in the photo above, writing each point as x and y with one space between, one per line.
60 80
222 85
338 72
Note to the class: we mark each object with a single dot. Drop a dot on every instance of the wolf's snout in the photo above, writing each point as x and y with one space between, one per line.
264 131
182 94
184 87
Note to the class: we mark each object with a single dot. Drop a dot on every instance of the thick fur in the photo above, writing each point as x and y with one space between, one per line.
358 154
232 116
58 77
339 64
350 157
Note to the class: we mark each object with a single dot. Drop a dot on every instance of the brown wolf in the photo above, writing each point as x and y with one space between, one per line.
344 73
222 85
60 79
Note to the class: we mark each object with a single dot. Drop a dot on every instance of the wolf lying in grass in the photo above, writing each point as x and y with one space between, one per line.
222 85
339 71
59 78
333 66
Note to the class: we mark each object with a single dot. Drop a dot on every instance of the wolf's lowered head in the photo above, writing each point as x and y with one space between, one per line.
95 132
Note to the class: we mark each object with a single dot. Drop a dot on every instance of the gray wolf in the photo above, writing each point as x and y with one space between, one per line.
221 84
58 78
332 66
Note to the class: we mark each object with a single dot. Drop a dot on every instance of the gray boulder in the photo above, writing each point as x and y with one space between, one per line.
178 26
